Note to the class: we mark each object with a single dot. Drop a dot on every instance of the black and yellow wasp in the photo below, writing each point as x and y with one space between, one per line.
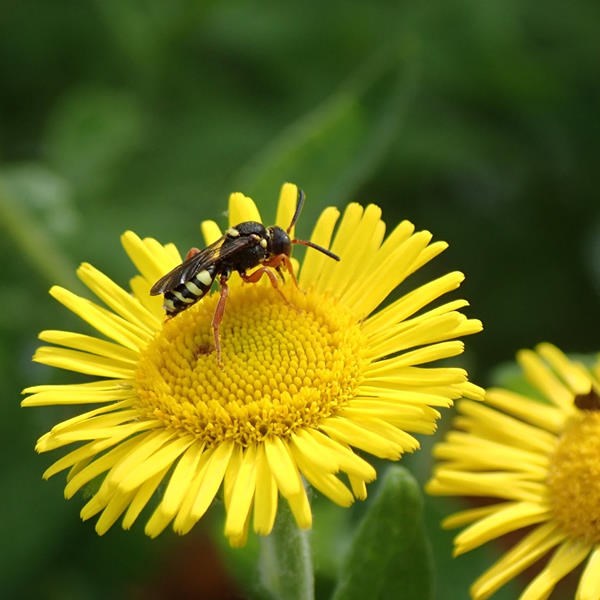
243 247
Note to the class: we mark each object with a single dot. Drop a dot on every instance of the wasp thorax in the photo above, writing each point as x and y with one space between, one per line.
280 241
248 228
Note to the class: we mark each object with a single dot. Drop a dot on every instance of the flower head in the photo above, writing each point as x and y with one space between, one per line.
305 379
541 460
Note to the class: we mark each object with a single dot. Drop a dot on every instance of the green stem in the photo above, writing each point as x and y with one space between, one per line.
34 244
286 561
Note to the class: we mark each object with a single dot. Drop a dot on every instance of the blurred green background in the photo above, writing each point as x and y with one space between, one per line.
475 120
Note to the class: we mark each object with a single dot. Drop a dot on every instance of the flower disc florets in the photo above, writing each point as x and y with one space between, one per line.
273 378
574 478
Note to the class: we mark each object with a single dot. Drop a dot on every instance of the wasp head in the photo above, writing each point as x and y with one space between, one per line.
279 241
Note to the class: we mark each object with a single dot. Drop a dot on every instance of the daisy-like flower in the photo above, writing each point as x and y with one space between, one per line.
302 383
541 460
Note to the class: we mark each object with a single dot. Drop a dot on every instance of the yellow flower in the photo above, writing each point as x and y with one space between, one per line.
303 383
542 460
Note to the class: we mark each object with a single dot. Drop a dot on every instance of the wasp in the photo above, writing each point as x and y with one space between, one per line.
243 247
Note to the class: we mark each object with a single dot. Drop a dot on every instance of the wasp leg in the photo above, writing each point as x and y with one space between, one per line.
282 259
256 275
191 252
218 316
280 273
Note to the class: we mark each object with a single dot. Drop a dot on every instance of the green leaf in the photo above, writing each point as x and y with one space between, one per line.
44 193
35 206
390 555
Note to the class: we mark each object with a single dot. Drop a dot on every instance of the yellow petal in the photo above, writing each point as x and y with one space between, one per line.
106 322
242 495
525 553
286 207
241 209
283 467
141 498
565 559
211 232
314 261
511 517
265 499
116 298
151 258
159 461
589 584
215 470
347 432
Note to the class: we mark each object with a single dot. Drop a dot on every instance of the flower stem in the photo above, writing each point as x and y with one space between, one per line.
34 244
285 560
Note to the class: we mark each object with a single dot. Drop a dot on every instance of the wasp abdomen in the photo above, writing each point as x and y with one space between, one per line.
188 292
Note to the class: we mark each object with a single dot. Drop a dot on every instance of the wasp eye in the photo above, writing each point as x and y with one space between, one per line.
280 242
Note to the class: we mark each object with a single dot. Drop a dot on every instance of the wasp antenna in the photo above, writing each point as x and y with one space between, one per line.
299 205
317 247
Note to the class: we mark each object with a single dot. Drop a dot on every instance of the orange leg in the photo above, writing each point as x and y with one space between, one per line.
282 259
218 317
256 276
191 252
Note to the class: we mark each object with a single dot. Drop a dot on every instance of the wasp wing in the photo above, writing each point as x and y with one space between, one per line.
216 252
188 268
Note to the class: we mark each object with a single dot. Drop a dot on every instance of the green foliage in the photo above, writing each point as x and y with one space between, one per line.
389 556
